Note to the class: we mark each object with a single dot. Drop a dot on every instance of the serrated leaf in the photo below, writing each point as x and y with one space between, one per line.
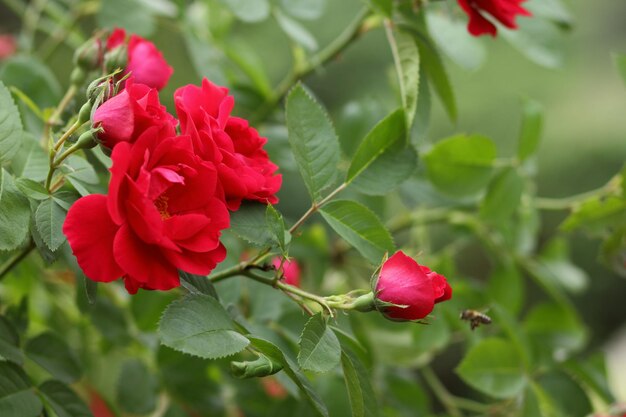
31 160
360 227
197 284
80 169
199 325
530 133
296 32
54 355
248 10
49 219
32 189
276 225
17 397
494 367
383 136
461 165
274 353
503 197
11 130
313 141
10 342
249 223
14 213
137 388
406 58
63 400
360 392
319 347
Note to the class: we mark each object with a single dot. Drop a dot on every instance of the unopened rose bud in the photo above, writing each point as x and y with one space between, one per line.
406 290
77 77
291 270
89 55
84 113
263 366
87 140
116 58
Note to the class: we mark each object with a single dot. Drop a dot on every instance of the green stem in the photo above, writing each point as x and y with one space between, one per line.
54 117
441 392
10 263
570 202
316 206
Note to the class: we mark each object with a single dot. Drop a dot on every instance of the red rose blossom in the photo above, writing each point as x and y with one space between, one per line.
245 170
291 270
504 11
131 112
8 46
161 215
145 61
416 288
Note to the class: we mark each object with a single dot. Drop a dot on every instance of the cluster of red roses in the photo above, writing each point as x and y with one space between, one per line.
170 192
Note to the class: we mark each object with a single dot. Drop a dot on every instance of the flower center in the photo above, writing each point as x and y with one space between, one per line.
161 205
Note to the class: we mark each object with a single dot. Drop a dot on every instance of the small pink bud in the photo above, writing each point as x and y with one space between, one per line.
291 270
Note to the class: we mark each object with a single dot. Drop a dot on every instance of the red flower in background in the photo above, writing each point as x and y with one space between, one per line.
131 112
416 288
162 214
291 270
8 46
245 170
145 61
505 11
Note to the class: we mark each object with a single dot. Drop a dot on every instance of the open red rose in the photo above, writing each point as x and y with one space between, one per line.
245 170
145 61
505 11
125 116
413 288
291 270
161 215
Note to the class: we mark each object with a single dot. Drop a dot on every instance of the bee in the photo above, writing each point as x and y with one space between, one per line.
475 318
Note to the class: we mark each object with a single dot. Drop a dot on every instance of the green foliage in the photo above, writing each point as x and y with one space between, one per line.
530 134
250 223
14 213
137 388
63 400
406 58
10 126
17 397
360 391
9 342
49 219
319 347
248 10
503 196
54 355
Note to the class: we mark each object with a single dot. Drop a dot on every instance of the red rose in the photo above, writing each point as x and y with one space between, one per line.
504 11
145 61
244 168
161 215
291 270
98 406
414 288
8 46
131 112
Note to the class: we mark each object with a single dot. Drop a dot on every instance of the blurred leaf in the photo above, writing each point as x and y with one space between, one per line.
360 227
17 397
537 402
539 40
274 353
530 133
33 78
54 355
14 213
248 10
592 374
356 119
136 388
63 400
514 332
9 342
383 136
450 35
199 325
556 266
503 197
553 10
360 391
276 225
422 115
110 321
206 58
385 7
506 287
304 9
620 63
49 219
494 367
251 64
566 394
197 284
319 347
31 161
133 15
461 165
249 223
595 214
161 7
147 306
295 31
11 131
407 62
313 141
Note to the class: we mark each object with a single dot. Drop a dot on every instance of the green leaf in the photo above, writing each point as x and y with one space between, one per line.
383 136
384 7
450 35
206 58
199 325
275 354
313 141
592 374
249 61
620 63
11 130
276 225
530 134
553 10
63 400
295 31
249 223
54 355
360 227
360 392
503 197
304 9
197 284
554 330
9 342
32 189
461 165
80 169
33 78
556 266
319 347
110 321
537 402
136 388
248 10
494 367
14 213
506 287
49 219
596 214
407 62
538 40
137 17
31 160
17 397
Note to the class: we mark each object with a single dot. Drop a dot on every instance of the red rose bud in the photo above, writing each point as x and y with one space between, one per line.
89 55
273 388
116 58
141 59
291 270
8 46
406 290
98 406
127 115
505 11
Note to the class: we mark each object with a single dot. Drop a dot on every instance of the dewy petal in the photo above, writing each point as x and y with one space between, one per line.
90 232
